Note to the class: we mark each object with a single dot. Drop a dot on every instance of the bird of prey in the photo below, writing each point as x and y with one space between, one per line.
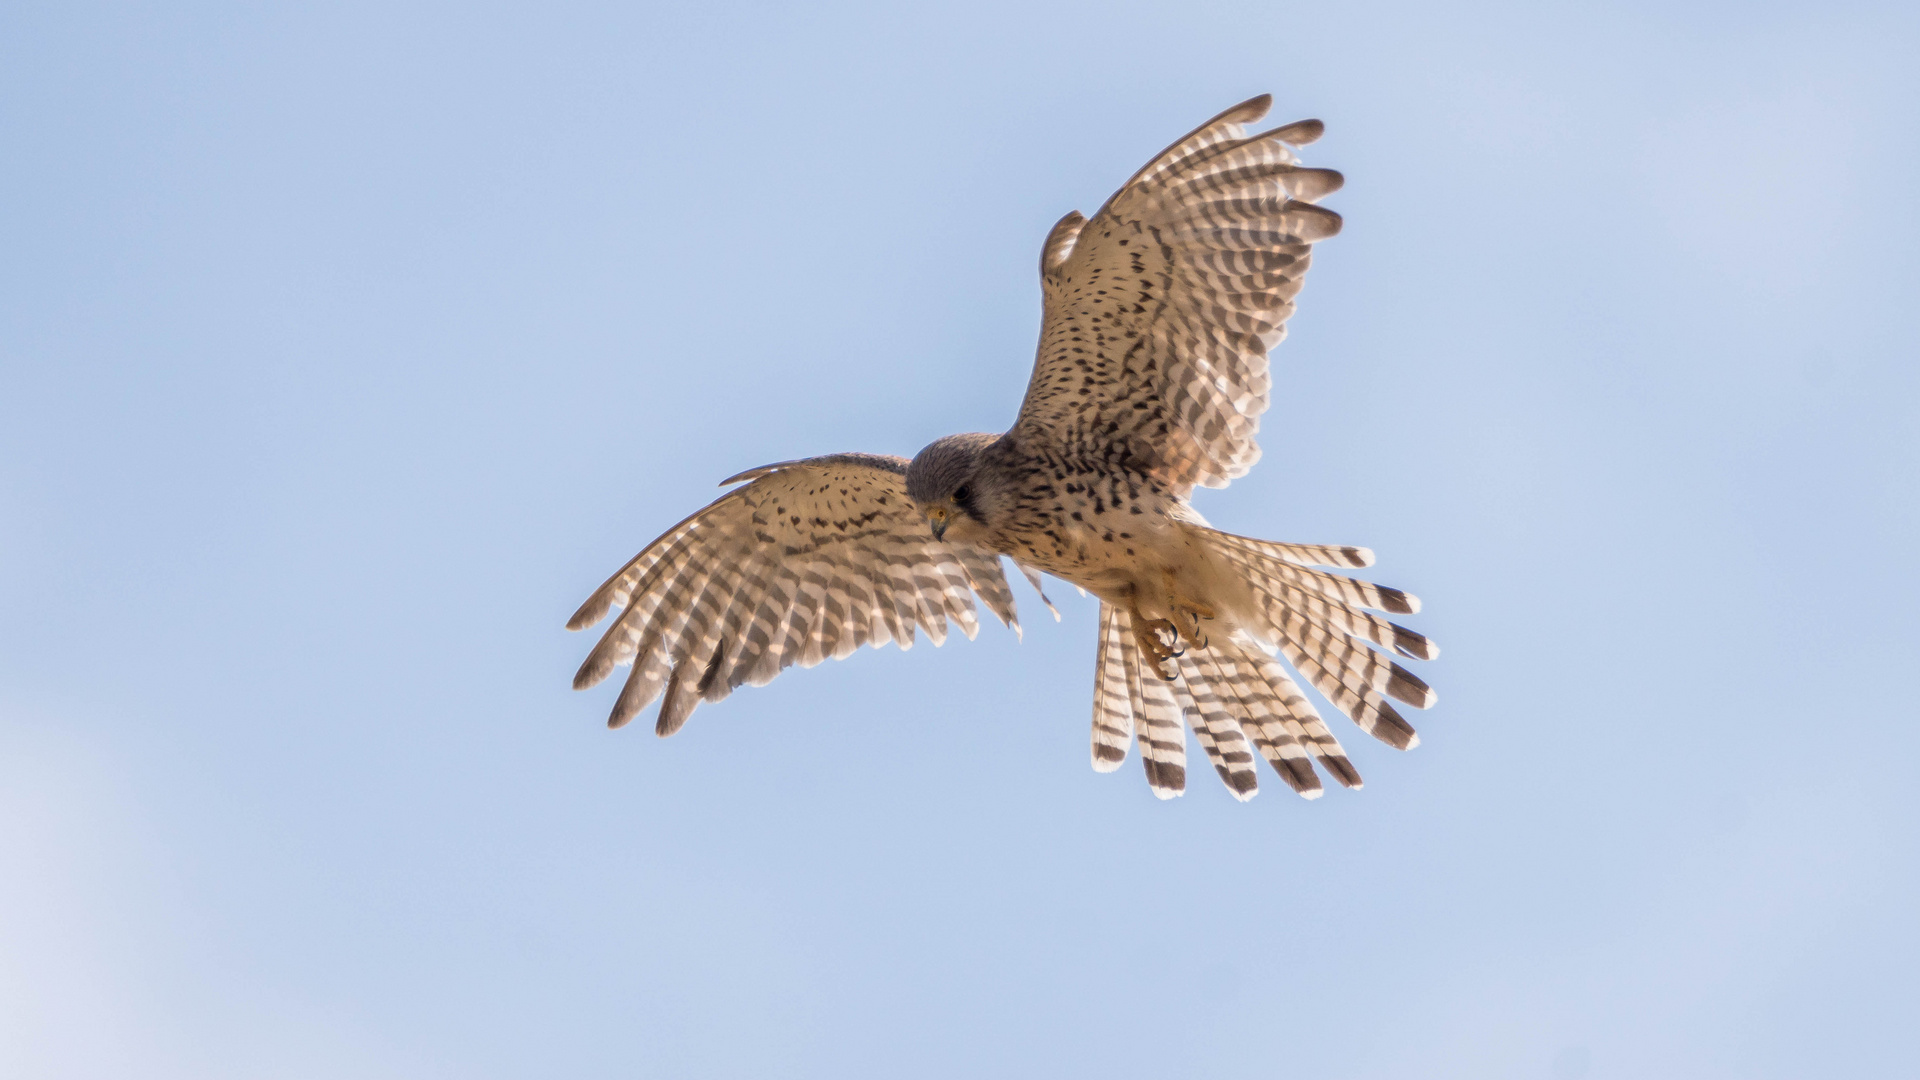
1151 378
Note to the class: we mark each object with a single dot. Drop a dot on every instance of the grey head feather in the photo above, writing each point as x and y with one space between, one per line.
946 466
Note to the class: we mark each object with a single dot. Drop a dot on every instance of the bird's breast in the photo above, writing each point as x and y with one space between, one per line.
1104 533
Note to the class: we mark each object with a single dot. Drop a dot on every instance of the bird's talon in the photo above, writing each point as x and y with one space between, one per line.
1148 634
1190 615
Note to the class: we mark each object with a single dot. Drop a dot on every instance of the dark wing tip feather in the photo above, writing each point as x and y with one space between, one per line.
1247 111
1316 222
675 706
1300 132
597 667
633 698
590 612
1312 185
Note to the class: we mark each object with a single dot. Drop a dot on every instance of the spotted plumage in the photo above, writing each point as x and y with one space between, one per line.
1151 378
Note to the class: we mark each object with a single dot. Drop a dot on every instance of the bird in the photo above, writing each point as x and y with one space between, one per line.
1149 381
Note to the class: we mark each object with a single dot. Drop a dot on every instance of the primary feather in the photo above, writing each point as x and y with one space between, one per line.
810 560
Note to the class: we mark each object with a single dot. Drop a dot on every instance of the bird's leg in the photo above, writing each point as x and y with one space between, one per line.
1160 651
1186 615
1146 633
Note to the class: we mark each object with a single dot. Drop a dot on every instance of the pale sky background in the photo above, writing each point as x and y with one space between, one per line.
344 350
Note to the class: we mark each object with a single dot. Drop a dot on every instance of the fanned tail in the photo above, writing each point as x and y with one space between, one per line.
1216 718
1317 621
1274 714
1236 698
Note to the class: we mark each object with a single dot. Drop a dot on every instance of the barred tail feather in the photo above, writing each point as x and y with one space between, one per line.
1262 708
1239 699
1289 562
1351 694
1215 727
1156 718
1304 720
1236 698
1112 704
1318 623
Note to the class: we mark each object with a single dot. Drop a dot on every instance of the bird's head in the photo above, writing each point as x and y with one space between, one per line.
944 483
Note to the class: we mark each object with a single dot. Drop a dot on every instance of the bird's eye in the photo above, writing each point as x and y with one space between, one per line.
962 495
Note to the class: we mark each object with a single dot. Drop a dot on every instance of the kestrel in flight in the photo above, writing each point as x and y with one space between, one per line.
1150 380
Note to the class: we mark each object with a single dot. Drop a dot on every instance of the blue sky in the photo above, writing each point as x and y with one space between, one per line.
344 349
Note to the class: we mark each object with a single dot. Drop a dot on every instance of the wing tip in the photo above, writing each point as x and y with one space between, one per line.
1312 185
591 612
592 672
671 719
1299 133
1250 110
1327 223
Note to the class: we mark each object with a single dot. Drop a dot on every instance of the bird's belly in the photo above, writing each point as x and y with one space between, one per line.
1134 560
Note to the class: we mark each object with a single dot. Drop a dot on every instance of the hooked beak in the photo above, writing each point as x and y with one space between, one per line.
939 527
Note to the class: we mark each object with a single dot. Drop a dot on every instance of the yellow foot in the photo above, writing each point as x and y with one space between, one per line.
1187 616
1147 634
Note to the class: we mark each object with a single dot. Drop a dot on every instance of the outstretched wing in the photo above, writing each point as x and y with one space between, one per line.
1161 308
810 560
